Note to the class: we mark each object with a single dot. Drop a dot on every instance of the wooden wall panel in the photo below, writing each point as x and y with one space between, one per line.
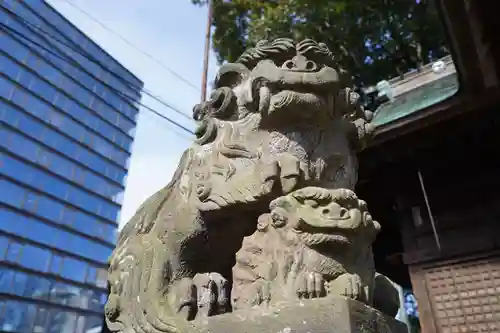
461 296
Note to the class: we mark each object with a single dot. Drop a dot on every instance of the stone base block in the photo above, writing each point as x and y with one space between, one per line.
331 315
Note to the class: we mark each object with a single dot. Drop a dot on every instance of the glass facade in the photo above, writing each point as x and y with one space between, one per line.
67 119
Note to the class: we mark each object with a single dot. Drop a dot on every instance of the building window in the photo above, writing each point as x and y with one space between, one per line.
35 258
38 231
11 194
13 252
6 89
74 269
4 243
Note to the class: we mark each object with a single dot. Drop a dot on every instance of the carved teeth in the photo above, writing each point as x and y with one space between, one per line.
264 100
317 239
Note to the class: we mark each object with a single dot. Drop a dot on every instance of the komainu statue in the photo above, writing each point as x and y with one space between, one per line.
314 243
284 117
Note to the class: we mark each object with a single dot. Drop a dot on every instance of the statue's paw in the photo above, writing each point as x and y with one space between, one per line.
348 285
285 169
185 298
310 285
269 174
289 167
213 294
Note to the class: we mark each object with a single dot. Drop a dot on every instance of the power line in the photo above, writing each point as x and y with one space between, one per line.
175 130
96 61
9 30
132 45
76 64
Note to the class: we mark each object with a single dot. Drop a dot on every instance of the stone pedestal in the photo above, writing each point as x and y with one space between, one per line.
337 315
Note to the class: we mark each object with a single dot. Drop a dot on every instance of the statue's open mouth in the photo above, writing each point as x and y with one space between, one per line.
312 240
312 234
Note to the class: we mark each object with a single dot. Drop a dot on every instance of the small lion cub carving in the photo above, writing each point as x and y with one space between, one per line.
314 243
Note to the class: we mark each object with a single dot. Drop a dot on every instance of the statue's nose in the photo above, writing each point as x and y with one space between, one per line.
300 63
334 212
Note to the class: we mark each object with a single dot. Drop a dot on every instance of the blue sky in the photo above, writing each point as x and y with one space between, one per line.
173 32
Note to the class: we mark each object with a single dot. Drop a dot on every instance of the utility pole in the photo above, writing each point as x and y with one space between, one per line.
207 52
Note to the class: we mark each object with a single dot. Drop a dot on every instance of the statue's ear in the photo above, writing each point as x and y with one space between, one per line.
263 222
374 229
230 75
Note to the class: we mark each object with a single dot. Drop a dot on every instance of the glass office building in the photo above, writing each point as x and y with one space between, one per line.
67 116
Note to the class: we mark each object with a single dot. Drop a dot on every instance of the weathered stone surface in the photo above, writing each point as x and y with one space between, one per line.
284 117
336 315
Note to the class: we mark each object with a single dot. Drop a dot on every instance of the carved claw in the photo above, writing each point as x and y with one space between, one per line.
186 296
310 285
270 174
348 285
213 294
112 308
303 284
261 295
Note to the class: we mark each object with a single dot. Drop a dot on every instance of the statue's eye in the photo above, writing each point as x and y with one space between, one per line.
311 203
347 204
278 220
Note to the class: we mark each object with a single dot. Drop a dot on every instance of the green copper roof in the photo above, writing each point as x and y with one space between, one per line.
416 99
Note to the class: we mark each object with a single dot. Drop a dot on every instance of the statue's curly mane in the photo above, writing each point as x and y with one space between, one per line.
282 49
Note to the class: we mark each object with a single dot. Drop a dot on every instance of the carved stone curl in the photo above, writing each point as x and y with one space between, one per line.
281 118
